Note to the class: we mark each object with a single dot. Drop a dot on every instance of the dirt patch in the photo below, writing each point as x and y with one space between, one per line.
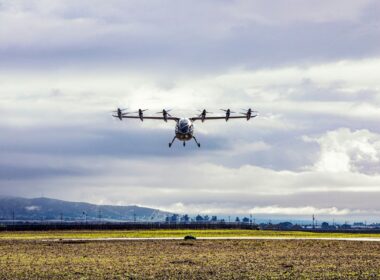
207 259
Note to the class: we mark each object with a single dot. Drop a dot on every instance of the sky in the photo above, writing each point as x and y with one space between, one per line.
310 68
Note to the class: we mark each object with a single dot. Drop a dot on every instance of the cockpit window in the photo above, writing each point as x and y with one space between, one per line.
183 126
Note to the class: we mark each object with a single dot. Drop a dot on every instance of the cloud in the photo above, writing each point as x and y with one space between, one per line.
346 151
32 208
298 211
214 209
310 71
182 37
288 12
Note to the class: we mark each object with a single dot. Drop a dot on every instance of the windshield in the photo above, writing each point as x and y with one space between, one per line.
183 126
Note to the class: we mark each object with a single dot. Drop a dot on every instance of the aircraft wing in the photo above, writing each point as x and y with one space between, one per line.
221 118
151 118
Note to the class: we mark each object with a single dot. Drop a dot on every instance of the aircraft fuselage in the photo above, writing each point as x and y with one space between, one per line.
184 129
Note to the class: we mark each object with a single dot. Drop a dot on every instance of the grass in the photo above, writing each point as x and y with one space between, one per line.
201 259
170 233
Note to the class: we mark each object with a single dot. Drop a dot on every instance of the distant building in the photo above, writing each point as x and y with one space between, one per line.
359 225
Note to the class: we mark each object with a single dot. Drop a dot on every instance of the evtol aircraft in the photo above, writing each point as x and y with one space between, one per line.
184 129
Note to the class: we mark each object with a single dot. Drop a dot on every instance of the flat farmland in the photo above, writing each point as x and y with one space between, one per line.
94 234
199 259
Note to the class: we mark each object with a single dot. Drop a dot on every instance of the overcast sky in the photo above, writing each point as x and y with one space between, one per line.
311 68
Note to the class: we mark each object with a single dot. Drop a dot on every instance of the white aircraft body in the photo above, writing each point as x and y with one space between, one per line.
184 130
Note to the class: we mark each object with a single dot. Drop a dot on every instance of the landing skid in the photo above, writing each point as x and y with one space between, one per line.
171 143
184 143
198 144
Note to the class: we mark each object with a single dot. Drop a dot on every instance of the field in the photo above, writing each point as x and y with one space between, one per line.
78 255
200 259
92 234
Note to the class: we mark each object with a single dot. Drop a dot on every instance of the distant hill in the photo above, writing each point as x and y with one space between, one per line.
52 209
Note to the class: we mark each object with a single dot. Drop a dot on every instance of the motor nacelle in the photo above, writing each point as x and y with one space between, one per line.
203 114
165 114
249 114
228 113
141 114
120 113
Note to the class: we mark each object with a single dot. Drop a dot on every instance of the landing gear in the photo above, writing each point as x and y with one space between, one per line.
171 143
198 144
184 143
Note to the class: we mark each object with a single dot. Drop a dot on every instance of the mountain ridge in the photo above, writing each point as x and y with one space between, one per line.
43 208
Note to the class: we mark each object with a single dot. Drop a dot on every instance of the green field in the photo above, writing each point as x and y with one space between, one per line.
171 233
200 259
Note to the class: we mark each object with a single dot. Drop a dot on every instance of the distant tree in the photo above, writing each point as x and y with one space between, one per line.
345 226
214 218
325 225
245 220
174 218
185 218
285 225
237 220
199 218
206 218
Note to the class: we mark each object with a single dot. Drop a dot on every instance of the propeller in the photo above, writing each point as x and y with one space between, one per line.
227 111
165 112
204 112
140 111
248 113
119 110
120 113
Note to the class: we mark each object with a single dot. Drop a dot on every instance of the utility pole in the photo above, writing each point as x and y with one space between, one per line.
85 216
13 217
313 221
100 215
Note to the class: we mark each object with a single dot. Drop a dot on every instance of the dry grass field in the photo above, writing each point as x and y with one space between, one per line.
200 259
